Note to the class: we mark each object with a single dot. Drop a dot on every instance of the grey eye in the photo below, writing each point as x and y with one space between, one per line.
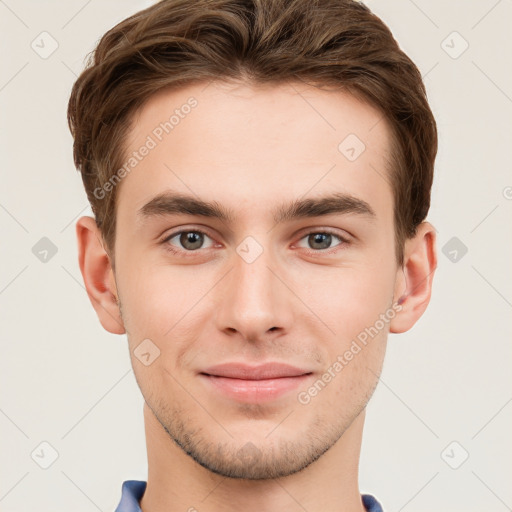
320 240
188 241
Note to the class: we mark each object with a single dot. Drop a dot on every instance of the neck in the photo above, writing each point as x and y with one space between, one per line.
177 483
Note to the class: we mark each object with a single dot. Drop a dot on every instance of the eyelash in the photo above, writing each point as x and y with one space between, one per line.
310 252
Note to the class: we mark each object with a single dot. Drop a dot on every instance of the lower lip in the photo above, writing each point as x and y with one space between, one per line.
254 391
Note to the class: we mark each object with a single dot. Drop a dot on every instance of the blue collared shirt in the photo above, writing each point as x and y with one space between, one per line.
133 491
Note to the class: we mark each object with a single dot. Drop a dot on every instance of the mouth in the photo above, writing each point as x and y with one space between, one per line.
254 384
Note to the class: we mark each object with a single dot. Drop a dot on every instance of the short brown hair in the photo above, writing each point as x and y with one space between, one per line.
175 43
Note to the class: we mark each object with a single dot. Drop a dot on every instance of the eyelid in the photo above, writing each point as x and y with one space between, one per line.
303 233
187 229
320 229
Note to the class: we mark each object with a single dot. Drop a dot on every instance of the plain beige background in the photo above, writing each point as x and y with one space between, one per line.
437 433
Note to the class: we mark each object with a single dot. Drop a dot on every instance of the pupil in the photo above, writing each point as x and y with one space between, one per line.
191 240
322 238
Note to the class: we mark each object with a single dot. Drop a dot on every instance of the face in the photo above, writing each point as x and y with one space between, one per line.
291 261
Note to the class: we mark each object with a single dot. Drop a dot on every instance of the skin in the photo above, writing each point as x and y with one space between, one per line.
251 149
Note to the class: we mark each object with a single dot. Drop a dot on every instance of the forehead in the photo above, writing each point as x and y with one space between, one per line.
251 146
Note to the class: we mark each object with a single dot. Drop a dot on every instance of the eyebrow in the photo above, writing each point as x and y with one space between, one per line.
169 203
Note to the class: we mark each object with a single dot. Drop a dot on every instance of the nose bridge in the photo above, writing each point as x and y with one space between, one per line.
253 298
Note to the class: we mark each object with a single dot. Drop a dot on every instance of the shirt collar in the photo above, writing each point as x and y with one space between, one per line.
131 494
133 490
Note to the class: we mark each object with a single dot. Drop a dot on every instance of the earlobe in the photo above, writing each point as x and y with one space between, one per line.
98 275
420 262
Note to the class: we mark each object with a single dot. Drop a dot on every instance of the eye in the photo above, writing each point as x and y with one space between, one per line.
186 241
322 240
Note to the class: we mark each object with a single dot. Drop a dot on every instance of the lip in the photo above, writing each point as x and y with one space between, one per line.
272 370
254 384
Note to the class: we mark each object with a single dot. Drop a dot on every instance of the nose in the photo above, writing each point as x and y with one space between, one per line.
254 300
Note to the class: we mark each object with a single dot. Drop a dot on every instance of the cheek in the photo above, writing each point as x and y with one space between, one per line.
355 353
350 299
164 303
355 356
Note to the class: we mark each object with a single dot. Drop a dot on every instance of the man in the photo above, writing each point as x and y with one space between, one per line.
260 175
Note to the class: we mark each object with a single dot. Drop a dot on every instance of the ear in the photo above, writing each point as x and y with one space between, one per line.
98 275
420 262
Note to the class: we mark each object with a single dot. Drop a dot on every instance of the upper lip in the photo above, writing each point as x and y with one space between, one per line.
272 370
